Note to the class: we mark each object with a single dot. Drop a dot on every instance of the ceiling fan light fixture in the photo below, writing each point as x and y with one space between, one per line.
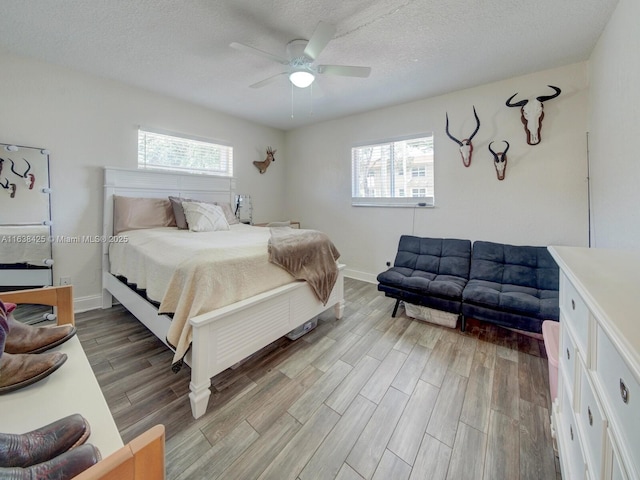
301 78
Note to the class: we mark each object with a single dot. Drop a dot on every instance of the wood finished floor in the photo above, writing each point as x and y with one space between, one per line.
365 397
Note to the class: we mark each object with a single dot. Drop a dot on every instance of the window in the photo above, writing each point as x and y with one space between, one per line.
166 151
383 172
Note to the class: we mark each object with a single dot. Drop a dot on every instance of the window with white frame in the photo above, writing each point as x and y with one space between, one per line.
383 172
167 151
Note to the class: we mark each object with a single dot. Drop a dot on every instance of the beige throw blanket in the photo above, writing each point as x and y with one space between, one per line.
307 255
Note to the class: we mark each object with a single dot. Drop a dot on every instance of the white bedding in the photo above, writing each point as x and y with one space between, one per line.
192 273
24 244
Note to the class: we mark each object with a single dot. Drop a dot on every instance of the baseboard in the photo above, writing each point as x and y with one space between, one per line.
357 275
84 304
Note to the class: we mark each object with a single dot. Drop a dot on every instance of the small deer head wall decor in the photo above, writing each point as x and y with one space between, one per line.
262 166
466 147
500 161
532 113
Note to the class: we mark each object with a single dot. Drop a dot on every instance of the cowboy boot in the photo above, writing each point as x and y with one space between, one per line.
63 467
17 371
23 338
4 327
43 444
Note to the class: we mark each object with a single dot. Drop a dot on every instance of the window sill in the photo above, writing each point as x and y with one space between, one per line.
393 205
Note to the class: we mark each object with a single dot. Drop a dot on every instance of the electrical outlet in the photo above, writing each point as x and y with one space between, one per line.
65 280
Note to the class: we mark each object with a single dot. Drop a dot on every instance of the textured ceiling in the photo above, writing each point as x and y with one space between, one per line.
416 48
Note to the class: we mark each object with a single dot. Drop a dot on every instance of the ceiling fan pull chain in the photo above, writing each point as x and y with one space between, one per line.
292 100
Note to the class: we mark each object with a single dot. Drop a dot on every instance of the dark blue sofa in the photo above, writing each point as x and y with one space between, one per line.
508 285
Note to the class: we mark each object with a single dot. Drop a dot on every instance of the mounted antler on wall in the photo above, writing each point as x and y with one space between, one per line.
11 187
262 166
466 148
29 178
532 113
500 161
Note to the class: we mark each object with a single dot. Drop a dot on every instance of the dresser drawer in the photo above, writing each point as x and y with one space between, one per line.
570 440
592 423
621 393
617 471
576 313
567 356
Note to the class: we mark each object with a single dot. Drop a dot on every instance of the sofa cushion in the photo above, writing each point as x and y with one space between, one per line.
440 256
428 267
519 279
541 304
513 264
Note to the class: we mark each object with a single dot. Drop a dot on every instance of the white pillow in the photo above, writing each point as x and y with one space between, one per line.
204 217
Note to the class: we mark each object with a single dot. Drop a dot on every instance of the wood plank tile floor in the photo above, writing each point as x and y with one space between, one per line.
365 397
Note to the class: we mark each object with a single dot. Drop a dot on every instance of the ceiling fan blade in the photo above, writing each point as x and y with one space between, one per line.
323 33
267 80
344 70
246 48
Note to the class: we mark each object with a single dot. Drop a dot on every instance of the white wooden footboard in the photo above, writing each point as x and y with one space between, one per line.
225 336
229 334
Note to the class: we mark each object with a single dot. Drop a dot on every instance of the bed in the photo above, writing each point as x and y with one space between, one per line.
223 336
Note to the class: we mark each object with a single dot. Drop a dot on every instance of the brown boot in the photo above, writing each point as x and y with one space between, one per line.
23 338
43 444
17 371
62 467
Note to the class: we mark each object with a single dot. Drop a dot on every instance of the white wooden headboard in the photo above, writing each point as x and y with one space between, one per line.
157 184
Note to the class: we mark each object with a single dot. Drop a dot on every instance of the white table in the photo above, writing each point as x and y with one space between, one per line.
72 388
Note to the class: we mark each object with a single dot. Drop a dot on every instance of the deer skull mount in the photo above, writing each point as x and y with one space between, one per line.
29 178
10 187
466 147
532 113
262 166
500 161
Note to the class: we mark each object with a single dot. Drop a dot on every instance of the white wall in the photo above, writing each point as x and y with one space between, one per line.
542 201
88 123
614 126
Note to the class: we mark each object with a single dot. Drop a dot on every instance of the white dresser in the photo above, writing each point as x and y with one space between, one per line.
596 417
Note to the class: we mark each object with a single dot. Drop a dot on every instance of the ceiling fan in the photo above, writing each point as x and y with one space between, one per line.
302 54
